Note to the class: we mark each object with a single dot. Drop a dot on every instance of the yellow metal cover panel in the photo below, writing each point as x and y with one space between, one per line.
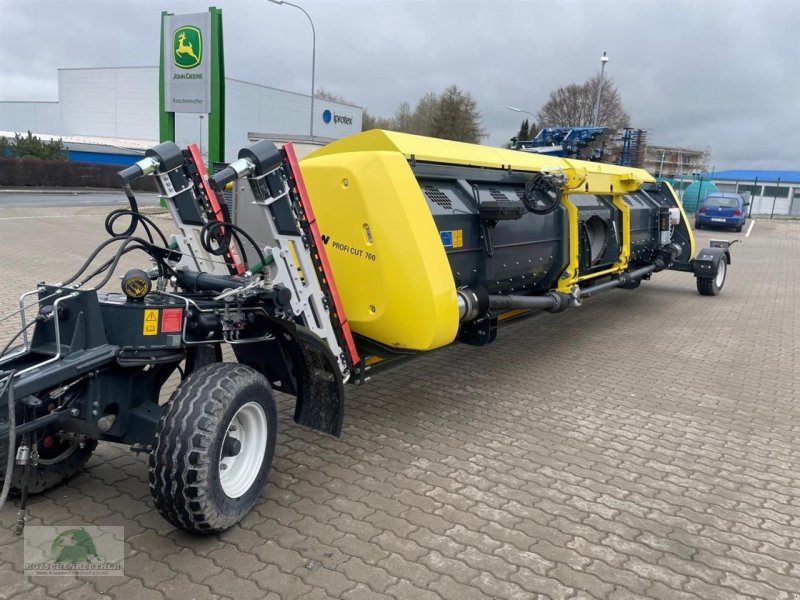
388 260
440 151
600 177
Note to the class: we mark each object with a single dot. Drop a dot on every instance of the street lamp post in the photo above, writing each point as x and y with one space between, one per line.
527 112
519 110
313 56
603 61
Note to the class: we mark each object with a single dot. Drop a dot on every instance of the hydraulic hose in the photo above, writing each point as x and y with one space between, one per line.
541 195
117 257
210 228
89 260
8 390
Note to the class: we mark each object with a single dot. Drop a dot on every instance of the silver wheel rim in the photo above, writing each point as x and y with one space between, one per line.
249 428
720 279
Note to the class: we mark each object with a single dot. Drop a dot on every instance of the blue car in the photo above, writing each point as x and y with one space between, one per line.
722 209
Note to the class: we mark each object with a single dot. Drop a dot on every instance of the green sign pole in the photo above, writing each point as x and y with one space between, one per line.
216 119
166 120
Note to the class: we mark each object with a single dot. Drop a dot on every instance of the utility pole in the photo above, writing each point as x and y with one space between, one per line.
603 61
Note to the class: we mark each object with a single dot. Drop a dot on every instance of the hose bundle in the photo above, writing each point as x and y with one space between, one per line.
542 194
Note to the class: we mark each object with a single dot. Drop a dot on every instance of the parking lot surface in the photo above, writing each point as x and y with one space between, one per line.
644 445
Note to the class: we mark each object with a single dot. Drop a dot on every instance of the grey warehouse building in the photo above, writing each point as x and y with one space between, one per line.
119 105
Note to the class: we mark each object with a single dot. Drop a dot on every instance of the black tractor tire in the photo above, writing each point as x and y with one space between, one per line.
188 469
712 286
200 356
50 472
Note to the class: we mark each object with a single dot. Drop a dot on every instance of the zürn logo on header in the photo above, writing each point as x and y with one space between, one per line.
187 47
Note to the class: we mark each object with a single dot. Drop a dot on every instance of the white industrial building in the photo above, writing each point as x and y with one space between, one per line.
119 105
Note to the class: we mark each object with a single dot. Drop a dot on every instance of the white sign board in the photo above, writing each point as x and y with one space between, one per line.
187 63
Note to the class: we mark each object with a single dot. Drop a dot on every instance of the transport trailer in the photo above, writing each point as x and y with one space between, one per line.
372 250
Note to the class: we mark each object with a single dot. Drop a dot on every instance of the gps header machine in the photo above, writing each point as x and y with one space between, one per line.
374 249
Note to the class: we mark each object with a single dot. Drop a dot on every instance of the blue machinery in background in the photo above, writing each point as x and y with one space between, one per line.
564 141
576 142
634 144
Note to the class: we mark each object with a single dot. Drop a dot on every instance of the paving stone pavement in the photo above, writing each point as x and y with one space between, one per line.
642 446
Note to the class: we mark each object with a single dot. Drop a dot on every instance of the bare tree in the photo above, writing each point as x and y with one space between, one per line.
321 94
457 117
369 121
403 118
451 115
573 105
424 114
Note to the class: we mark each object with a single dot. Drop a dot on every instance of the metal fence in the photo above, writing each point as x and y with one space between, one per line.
772 198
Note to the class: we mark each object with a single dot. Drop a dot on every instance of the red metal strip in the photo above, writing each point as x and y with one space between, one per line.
291 158
197 157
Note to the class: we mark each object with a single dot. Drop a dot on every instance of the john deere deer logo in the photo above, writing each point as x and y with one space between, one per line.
74 546
187 47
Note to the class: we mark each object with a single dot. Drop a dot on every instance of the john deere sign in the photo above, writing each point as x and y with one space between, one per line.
187 76
187 47
192 80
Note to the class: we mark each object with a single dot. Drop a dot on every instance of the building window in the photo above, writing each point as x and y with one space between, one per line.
774 191
753 190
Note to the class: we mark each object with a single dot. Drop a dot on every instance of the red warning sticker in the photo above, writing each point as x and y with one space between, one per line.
172 320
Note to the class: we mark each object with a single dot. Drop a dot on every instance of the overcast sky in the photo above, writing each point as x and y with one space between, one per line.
719 73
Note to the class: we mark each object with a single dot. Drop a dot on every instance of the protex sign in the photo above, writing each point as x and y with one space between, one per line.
328 117
187 54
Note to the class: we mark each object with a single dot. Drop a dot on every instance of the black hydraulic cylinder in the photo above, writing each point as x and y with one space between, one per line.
264 155
168 155
195 281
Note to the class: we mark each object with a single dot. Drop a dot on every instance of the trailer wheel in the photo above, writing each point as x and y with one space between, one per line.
712 286
58 462
213 448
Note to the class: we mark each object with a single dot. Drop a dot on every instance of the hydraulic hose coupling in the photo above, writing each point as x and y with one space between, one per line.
258 159
146 166
23 455
237 169
561 301
472 303
165 157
